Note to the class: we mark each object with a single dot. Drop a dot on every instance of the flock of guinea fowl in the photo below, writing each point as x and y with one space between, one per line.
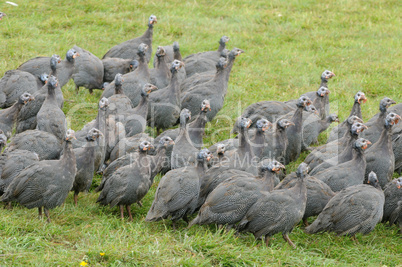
238 183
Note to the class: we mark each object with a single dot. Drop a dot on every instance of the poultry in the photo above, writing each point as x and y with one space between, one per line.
205 61
397 139
332 149
128 49
220 155
345 154
50 117
85 160
135 120
393 203
112 66
27 116
313 126
356 209
278 210
44 184
348 173
172 52
15 82
318 194
2 14
164 105
8 116
160 75
88 71
129 184
119 103
12 163
294 132
177 192
380 157
134 81
376 125
228 203
184 153
214 90
277 141
196 128
338 131
40 65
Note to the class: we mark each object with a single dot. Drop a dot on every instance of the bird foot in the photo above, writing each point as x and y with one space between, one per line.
286 237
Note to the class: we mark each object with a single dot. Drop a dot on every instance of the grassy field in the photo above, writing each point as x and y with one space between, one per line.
287 46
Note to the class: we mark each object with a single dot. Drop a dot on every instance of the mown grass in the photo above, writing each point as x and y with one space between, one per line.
288 44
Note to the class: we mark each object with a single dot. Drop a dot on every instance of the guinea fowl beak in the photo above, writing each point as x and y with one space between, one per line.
76 55
363 97
59 61
329 76
171 142
336 120
396 120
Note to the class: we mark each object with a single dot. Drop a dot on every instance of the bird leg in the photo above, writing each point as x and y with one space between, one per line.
139 203
185 218
129 213
305 221
286 237
174 225
122 212
77 88
39 212
353 237
267 238
75 198
47 215
91 91
8 205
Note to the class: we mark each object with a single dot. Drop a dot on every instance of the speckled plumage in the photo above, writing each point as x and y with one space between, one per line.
393 203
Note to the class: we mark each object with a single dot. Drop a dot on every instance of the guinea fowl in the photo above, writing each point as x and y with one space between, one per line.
339 131
313 126
196 128
129 184
164 105
277 141
128 145
177 192
88 71
44 184
172 52
85 159
376 124
348 173
205 61
128 49
278 210
344 154
318 194
134 81
214 90
119 103
160 75
50 117
184 153
393 203
112 66
356 209
380 157
15 82
294 132
27 116
8 116
2 14
40 65
135 120
230 200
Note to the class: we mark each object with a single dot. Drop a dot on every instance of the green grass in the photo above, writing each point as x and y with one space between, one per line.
288 44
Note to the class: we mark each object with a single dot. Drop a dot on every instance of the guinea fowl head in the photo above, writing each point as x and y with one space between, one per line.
176 46
303 101
352 119
142 48
284 123
357 128
398 182
72 54
52 82
204 155
93 134
224 39
222 63
25 98
152 20
176 65
205 106
392 119
360 96
2 15
385 103
44 77
361 144
185 116
134 64
70 134
327 74
145 146
118 79
147 89
160 51
166 141
103 103
270 165
322 91
302 170
54 60
243 123
333 118
312 109
263 125
220 149
373 180
104 85
235 52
